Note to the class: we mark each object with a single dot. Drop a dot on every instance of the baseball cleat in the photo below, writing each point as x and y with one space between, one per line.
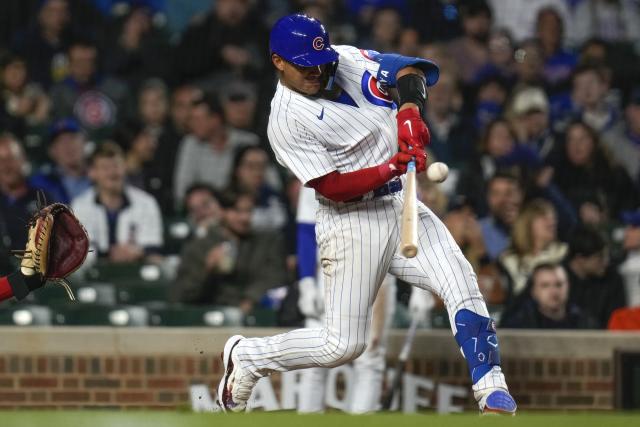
499 402
235 386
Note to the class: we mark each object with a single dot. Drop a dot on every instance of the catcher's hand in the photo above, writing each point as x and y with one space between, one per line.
56 247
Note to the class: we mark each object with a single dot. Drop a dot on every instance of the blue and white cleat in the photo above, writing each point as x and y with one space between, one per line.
236 384
499 402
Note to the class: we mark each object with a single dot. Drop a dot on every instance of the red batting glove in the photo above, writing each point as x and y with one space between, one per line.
412 131
398 163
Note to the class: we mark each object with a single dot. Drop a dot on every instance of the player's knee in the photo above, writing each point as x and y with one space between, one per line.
343 350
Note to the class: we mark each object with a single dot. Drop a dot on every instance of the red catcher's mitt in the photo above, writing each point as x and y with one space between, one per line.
57 245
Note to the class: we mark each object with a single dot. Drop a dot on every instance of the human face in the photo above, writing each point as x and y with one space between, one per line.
181 104
153 106
231 12
551 290
632 114
500 141
595 265
203 123
67 150
109 173
588 89
504 199
12 164
203 207
54 16
305 80
14 76
82 63
144 145
238 217
580 145
544 228
252 168
549 30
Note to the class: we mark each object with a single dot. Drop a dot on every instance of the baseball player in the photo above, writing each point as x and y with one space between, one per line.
369 368
334 125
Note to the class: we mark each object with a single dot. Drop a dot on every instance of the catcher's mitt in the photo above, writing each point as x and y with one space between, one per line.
56 247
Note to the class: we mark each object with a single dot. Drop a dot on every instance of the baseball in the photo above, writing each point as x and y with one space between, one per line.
437 172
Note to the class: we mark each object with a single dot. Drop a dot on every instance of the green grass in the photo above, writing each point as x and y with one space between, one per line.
286 419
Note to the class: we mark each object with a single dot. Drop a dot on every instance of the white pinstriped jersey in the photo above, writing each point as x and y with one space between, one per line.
313 137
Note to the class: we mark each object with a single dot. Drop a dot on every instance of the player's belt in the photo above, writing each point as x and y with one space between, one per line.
390 187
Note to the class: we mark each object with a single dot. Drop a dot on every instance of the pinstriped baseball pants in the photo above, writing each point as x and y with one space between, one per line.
358 245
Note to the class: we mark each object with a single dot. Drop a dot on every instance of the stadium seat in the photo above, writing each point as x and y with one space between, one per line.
72 314
196 316
25 315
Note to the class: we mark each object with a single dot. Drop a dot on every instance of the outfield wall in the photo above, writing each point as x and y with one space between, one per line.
141 367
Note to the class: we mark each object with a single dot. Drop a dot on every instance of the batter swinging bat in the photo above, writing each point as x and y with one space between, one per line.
409 230
398 370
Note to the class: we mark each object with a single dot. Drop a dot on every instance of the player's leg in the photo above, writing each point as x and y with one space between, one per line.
441 267
311 398
355 252
369 368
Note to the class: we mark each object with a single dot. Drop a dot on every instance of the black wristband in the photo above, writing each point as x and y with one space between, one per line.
22 285
412 88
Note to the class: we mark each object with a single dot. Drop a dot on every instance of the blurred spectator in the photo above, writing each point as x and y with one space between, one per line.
206 155
533 242
203 208
239 102
123 222
490 101
499 150
182 100
65 178
529 62
18 198
231 265
44 45
434 19
501 59
229 39
623 141
249 175
630 268
610 20
545 303
530 113
138 48
386 28
22 104
504 199
519 16
470 51
140 147
558 62
583 172
452 136
466 231
98 102
596 287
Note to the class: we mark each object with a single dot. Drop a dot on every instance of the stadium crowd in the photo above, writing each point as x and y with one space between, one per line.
144 113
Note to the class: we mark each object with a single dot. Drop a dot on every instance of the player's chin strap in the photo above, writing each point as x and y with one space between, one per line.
476 336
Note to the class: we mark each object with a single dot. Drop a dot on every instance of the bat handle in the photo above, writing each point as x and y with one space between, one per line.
411 166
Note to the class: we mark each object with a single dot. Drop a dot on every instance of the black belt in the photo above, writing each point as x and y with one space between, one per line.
389 188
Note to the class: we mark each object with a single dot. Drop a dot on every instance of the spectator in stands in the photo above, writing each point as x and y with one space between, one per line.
465 229
501 62
229 39
239 101
519 16
530 114
595 286
504 199
65 178
613 21
248 175
630 267
385 32
490 101
206 155
470 51
529 64
452 136
558 62
139 48
18 198
231 265
98 102
545 304
44 45
22 104
623 141
582 171
203 208
123 222
533 242
140 147
499 150
182 99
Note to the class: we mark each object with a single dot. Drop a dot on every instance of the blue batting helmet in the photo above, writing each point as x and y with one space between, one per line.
301 40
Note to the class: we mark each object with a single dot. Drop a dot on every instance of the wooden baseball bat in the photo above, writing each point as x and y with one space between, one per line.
409 226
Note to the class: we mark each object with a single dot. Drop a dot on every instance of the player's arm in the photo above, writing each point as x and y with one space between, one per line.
19 285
